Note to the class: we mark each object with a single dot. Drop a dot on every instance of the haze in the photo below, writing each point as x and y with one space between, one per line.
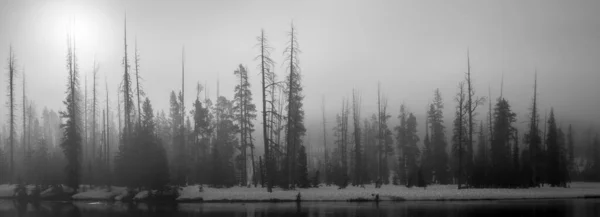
411 47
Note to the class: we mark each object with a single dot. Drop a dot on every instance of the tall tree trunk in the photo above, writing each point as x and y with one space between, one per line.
11 88
326 163
137 82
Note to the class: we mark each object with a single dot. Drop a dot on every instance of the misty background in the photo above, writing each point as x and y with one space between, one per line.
411 47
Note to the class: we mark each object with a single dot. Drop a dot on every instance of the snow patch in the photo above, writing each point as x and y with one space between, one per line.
386 192
7 190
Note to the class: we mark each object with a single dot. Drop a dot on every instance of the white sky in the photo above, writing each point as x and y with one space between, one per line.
411 47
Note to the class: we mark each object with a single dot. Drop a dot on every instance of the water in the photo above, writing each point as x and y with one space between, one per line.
571 207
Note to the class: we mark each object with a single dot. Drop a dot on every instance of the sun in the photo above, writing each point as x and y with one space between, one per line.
75 18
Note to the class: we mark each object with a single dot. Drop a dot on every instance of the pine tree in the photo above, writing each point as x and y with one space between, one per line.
553 153
427 157
411 151
571 152
401 138
480 168
500 148
127 94
246 113
326 166
155 172
515 158
563 159
302 175
356 104
534 141
71 141
94 105
438 140
295 111
203 131
12 73
223 145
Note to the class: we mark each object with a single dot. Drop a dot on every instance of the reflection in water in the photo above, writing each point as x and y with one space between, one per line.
574 207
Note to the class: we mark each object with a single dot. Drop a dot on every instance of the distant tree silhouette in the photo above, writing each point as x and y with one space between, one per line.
265 64
401 141
140 92
500 147
411 151
12 73
295 112
224 144
571 152
71 140
534 141
356 107
246 113
326 166
459 139
94 105
427 157
438 140
472 102
553 152
341 133
203 131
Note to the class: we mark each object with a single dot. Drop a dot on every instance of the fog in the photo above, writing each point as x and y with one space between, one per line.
410 47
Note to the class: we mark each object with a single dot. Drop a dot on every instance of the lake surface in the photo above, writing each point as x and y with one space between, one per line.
571 207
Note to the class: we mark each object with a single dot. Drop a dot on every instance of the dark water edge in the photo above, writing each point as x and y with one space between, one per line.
558 207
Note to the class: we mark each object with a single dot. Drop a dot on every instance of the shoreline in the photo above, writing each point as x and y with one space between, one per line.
586 197
275 200
192 194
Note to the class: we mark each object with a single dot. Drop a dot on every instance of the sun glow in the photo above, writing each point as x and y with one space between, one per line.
81 21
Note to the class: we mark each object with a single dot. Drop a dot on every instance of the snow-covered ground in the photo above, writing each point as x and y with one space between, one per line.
100 194
7 190
331 193
389 192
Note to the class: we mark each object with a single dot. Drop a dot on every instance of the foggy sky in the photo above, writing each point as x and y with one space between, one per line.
411 47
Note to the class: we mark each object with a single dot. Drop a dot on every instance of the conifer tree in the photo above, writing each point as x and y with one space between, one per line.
571 152
12 73
401 138
500 147
356 104
295 111
245 114
534 141
71 141
411 151
553 153
438 140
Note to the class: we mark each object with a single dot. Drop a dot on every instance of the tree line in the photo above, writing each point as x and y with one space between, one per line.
213 143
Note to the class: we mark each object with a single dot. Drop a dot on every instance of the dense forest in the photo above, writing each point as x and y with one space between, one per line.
213 143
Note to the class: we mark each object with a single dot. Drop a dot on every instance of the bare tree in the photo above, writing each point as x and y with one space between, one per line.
107 138
265 65
459 131
24 141
471 106
139 91
326 157
94 106
295 114
356 104
12 73
127 93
